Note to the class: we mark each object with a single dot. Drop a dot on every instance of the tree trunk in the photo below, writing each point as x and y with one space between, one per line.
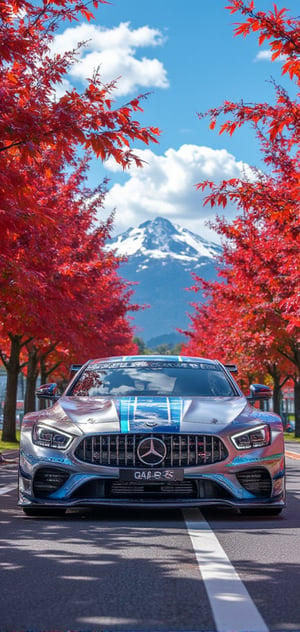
43 371
10 404
44 376
277 393
297 406
276 397
32 375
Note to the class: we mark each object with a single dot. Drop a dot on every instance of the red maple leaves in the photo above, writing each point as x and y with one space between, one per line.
59 283
254 315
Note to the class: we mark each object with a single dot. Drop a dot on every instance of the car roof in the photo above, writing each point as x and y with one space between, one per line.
158 358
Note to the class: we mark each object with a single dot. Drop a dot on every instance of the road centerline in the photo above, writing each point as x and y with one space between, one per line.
232 607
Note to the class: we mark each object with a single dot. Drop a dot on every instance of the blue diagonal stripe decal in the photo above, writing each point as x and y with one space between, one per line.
164 412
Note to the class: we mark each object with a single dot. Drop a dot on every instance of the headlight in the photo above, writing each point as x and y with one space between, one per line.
256 438
50 438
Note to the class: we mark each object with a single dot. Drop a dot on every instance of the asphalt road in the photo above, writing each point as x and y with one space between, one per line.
129 570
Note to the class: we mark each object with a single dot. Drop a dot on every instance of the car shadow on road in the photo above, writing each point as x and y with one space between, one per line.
134 569
123 569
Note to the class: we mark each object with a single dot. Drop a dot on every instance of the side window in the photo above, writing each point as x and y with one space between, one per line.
89 382
219 385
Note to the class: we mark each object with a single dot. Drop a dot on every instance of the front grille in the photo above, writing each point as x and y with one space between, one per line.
257 481
182 450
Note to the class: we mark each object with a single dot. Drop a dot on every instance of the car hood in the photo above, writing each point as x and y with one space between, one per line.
144 414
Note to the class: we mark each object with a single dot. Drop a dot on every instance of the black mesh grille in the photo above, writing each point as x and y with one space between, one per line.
162 491
257 481
149 492
122 450
48 480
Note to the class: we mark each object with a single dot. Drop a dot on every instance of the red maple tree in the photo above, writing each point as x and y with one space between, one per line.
64 286
57 280
33 120
262 245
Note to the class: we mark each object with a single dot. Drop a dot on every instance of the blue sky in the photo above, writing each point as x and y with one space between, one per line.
186 56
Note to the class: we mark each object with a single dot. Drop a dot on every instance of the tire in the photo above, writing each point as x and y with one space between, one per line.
268 511
35 512
272 511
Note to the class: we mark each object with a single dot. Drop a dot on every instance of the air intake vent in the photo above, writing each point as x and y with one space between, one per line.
257 481
187 489
48 480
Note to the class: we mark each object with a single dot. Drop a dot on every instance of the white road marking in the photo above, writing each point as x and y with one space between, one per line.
7 489
292 455
232 606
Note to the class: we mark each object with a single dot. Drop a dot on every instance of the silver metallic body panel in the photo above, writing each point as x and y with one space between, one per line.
213 483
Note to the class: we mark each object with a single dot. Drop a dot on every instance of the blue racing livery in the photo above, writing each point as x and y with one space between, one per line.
164 414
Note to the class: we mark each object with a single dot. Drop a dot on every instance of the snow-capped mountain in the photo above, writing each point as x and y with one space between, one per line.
160 239
160 258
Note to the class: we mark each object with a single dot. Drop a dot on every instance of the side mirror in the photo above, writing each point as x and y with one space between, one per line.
47 391
259 392
232 368
74 368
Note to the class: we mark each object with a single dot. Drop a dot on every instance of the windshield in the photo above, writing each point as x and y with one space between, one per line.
152 378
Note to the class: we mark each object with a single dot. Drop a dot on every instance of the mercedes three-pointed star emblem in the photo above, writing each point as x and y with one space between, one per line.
151 451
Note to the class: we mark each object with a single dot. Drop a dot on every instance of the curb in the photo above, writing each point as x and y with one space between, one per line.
4 459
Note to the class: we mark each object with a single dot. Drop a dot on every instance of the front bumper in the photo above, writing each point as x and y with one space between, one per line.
248 483
237 479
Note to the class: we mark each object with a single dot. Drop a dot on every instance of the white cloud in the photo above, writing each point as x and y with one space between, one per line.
165 187
266 55
114 52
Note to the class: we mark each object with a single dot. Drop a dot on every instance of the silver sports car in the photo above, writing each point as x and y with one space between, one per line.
152 431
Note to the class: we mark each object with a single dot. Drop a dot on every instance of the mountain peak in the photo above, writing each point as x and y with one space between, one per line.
159 223
160 257
160 239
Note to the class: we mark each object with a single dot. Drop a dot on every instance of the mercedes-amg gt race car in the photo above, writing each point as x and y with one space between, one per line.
152 431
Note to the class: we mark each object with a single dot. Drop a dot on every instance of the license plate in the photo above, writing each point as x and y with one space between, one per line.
152 476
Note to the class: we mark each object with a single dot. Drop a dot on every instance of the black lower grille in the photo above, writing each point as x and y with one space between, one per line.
182 450
185 489
257 481
48 480
98 489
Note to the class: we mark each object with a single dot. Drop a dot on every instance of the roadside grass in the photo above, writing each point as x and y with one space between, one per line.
7 445
289 436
